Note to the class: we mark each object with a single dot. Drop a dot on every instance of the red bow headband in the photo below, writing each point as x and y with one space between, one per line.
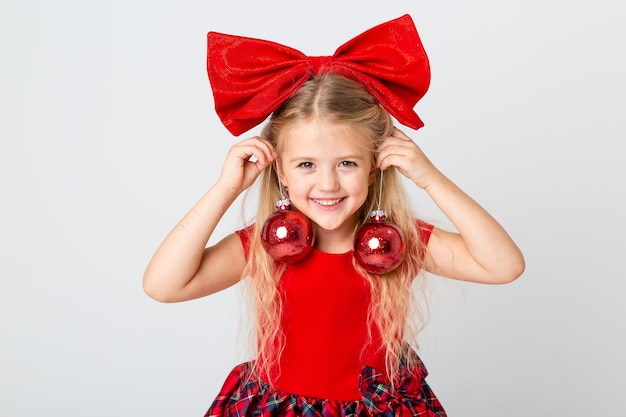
251 78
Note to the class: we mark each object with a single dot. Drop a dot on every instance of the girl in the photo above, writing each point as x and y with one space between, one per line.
333 334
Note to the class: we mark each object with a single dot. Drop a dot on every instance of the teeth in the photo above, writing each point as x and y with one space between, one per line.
327 202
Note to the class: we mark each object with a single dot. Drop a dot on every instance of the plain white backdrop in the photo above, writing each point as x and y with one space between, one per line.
108 136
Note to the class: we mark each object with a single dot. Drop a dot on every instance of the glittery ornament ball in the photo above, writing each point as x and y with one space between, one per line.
287 236
379 246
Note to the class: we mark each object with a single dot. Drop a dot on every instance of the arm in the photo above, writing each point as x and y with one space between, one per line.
481 251
183 268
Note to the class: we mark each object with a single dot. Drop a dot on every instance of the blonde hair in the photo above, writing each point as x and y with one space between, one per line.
337 99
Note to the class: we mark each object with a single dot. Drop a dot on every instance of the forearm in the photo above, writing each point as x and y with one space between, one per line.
492 256
178 258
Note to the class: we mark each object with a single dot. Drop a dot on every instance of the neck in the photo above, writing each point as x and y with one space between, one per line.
334 241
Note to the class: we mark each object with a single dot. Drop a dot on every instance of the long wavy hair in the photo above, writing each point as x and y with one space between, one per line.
393 309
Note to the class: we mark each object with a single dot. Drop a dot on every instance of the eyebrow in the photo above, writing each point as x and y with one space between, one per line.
339 158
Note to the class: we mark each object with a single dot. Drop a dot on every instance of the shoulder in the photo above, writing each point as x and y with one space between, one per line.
425 230
245 237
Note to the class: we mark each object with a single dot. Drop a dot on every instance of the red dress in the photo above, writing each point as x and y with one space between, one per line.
327 368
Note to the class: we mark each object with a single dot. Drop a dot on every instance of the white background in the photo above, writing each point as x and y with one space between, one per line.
108 136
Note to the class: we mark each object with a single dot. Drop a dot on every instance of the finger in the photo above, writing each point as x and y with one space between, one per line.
255 150
389 161
394 141
397 133
398 148
402 156
386 160
265 152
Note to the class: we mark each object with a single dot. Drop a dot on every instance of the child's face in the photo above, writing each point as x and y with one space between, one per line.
327 170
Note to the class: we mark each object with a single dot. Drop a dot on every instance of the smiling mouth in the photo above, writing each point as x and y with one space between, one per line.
327 202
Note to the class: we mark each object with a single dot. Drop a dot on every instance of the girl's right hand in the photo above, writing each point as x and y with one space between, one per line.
244 162
183 267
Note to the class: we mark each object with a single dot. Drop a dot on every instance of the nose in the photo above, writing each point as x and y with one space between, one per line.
327 180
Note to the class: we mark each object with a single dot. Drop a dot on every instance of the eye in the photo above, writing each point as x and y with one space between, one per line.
305 165
347 164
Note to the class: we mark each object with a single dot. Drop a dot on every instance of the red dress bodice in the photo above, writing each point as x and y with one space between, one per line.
324 320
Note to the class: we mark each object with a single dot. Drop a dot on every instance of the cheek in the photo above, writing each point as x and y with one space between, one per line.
290 178
360 186
297 186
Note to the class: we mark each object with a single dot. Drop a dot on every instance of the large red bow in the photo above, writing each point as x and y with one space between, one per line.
251 77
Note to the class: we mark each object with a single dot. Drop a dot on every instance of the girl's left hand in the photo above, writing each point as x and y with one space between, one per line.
401 151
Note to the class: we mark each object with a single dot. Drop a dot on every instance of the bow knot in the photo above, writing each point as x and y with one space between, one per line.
320 64
409 396
250 78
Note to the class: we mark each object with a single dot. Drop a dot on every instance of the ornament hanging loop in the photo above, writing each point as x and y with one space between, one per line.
284 203
380 190
379 214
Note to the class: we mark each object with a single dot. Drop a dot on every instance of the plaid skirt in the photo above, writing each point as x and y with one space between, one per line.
244 395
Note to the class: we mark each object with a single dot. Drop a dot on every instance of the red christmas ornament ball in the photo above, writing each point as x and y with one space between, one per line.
287 236
379 244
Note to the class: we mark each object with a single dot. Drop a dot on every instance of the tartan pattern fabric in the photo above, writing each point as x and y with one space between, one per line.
243 395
